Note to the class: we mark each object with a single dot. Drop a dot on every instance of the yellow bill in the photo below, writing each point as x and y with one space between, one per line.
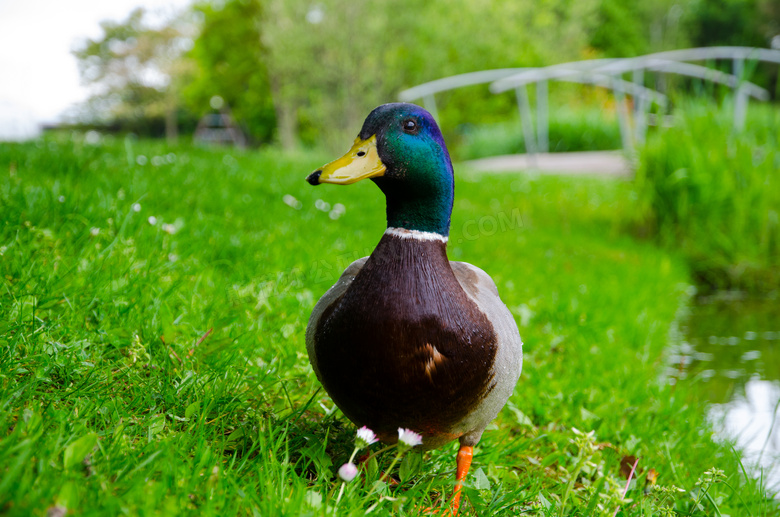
360 162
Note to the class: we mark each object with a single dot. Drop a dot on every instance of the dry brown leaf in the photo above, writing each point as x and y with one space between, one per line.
626 463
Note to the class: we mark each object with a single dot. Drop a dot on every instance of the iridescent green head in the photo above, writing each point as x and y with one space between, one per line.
401 149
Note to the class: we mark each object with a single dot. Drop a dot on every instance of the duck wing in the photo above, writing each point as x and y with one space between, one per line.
509 358
331 296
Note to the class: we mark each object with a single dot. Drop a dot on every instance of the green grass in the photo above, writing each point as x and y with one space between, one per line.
714 193
159 368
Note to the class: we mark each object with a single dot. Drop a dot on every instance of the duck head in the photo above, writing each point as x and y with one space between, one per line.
401 149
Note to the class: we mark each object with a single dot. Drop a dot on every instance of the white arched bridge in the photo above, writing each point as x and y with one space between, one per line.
608 73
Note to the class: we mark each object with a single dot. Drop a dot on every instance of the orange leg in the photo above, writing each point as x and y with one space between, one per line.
465 454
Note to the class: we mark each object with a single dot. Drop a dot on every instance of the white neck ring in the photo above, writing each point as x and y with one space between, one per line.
403 233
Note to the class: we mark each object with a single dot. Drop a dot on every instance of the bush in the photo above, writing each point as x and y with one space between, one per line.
715 193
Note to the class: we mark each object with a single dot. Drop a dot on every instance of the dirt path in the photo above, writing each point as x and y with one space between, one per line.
592 163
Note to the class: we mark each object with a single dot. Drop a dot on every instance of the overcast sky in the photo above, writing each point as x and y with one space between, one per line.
38 75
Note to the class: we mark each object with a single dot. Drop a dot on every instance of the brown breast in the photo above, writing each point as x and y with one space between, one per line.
404 346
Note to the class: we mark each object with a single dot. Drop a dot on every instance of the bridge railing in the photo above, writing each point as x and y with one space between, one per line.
607 73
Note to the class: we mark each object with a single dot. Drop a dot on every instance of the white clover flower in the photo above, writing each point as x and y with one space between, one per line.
169 228
94 231
408 438
61 199
365 437
136 207
152 220
348 471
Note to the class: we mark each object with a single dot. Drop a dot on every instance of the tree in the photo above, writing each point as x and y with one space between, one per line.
330 62
727 22
134 70
228 57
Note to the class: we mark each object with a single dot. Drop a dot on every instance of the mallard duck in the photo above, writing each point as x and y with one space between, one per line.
406 338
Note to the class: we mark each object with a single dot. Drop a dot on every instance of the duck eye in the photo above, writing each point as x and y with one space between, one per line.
410 126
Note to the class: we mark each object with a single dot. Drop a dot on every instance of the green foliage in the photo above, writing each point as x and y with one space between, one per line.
229 61
580 129
331 62
736 22
732 22
619 31
465 36
134 68
308 72
329 70
714 193
625 29
156 298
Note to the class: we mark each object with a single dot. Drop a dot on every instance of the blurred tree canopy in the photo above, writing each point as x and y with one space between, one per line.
228 59
329 63
626 29
135 70
305 71
750 23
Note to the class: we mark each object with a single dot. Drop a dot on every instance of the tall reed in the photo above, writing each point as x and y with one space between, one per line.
714 192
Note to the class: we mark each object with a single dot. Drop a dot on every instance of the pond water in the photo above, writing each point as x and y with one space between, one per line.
732 345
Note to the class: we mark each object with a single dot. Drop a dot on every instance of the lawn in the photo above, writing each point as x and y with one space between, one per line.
153 302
